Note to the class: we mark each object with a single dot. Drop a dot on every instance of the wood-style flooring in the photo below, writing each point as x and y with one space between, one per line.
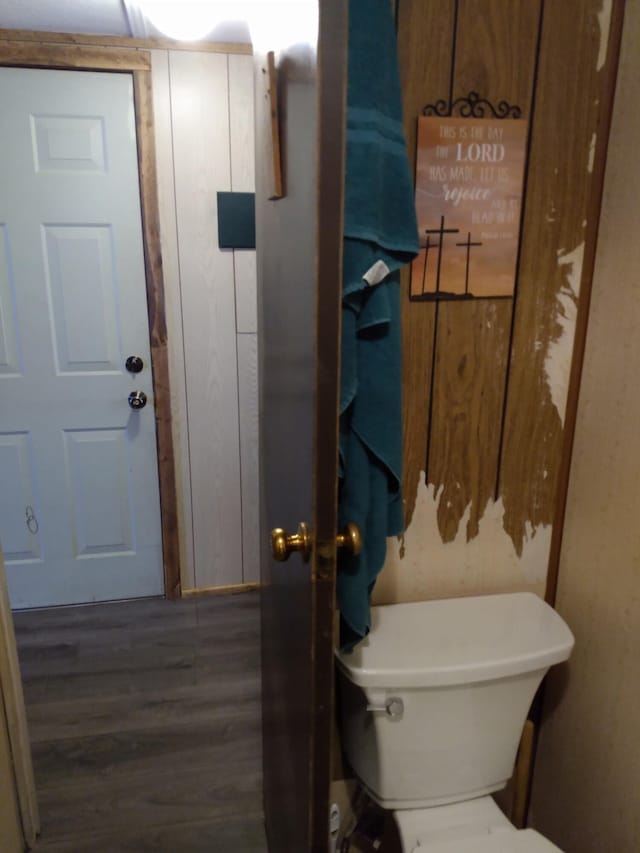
144 718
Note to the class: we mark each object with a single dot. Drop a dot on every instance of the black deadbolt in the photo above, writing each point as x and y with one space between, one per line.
134 364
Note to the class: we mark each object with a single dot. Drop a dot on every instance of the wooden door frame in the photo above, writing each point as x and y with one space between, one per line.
12 699
36 50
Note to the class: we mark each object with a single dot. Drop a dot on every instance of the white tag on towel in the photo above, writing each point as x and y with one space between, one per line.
376 273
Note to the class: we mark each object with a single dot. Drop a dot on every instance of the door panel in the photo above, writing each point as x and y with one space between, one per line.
80 516
8 332
16 468
299 240
82 297
286 279
68 143
98 464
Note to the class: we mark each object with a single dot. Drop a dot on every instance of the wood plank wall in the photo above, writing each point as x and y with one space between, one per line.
203 104
486 382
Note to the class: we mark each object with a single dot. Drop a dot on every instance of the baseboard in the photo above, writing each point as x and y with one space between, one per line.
230 589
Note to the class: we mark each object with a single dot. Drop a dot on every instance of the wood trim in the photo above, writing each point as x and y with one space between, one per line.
586 284
163 133
41 37
10 826
41 55
272 80
229 589
143 99
522 776
11 693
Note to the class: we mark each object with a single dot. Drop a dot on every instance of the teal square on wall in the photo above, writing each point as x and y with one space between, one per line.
237 220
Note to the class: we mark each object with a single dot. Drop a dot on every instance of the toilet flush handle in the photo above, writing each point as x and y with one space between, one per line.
393 707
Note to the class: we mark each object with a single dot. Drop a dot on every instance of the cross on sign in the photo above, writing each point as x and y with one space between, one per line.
441 231
468 244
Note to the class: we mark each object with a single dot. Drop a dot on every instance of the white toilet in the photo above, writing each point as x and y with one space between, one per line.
433 703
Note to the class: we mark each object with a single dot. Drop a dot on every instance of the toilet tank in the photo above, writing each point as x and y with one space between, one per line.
433 701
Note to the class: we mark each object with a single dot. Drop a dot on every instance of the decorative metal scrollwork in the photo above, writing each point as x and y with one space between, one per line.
473 106
440 108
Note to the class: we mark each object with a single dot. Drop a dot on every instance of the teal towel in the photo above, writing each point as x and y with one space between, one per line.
380 236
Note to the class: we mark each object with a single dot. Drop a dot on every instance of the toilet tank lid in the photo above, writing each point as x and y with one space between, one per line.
457 641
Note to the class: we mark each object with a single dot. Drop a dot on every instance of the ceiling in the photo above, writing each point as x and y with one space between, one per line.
103 17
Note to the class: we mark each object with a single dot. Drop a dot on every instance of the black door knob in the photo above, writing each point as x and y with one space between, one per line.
137 399
134 364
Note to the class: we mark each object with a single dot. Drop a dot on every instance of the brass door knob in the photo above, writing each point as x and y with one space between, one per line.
283 544
350 539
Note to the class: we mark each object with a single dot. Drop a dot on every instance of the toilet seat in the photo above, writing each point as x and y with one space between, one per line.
471 826
501 841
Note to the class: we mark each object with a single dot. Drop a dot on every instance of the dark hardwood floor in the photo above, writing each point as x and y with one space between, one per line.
144 718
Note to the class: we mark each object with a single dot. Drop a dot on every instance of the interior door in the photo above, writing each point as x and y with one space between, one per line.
299 242
79 504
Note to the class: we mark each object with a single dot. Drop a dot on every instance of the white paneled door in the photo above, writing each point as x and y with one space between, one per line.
79 504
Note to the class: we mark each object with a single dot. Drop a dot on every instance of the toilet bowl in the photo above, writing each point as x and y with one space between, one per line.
432 707
472 826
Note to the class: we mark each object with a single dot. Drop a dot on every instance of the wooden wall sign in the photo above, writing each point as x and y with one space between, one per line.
469 180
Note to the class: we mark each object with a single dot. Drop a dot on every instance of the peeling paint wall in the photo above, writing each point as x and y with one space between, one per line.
557 362
487 384
420 566
592 151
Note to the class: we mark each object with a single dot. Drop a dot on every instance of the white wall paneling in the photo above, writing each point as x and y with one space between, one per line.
244 262
200 113
203 105
248 395
241 116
